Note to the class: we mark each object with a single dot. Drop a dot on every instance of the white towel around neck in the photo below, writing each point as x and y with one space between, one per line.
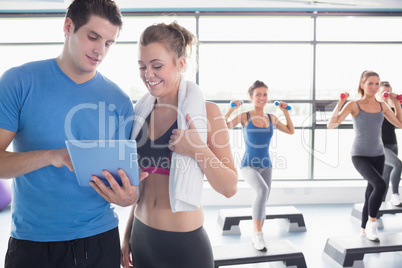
186 177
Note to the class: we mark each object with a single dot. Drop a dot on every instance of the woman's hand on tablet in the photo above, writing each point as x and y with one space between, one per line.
124 195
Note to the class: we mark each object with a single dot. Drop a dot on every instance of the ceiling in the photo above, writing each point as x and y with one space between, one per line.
7 6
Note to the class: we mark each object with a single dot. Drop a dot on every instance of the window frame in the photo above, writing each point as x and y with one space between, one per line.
316 105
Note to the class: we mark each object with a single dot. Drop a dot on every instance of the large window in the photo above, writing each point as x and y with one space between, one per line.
306 59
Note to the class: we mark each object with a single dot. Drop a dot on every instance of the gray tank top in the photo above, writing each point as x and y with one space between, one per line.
367 128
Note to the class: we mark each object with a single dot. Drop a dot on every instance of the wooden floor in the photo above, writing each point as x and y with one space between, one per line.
322 221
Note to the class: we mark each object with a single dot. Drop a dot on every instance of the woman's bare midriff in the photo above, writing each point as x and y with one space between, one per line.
153 208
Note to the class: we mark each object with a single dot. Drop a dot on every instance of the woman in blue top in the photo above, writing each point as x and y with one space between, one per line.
368 150
256 166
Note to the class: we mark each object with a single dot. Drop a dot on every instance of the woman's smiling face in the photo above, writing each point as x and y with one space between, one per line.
259 97
159 69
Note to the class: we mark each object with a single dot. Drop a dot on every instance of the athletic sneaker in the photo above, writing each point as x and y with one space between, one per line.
395 200
372 231
258 241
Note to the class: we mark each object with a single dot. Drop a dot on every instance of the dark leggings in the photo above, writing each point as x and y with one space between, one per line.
371 168
152 248
392 168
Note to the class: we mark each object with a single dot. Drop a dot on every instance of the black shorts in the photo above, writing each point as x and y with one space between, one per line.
100 251
152 248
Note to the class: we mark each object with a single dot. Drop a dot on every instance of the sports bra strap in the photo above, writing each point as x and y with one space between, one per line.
269 116
358 105
361 109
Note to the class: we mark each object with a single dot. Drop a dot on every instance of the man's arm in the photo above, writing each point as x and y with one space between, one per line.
16 164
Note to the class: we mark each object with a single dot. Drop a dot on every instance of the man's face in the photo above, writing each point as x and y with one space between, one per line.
87 47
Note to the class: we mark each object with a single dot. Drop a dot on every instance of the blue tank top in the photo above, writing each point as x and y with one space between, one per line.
367 128
257 142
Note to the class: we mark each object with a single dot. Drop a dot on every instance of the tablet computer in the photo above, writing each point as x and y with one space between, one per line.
91 157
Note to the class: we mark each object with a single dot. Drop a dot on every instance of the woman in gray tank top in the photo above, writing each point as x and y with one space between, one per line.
367 149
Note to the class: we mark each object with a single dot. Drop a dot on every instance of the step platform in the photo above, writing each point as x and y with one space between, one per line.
229 219
348 251
279 253
386 208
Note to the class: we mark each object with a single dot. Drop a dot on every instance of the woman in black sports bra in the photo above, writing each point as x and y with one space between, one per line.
393 165
154 155
156 236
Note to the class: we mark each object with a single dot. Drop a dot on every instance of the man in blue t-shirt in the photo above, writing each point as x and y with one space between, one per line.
55 222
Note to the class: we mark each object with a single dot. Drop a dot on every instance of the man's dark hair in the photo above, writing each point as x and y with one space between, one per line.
81 10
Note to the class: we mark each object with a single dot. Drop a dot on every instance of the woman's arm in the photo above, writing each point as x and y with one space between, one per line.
393 118
338 116
288 128
126 260
232 123
215 158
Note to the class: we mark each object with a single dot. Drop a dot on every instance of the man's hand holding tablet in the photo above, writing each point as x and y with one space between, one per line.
110 167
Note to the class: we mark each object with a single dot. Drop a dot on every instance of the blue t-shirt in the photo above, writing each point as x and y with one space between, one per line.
45 107
257 142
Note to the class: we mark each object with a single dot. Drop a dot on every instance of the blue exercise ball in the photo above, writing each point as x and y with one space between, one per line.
5 194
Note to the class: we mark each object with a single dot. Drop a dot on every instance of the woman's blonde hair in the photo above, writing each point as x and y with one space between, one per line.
176 39
385 84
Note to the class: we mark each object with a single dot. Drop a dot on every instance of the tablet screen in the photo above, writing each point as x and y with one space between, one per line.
91 157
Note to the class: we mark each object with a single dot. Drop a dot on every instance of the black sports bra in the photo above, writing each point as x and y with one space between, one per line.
154 156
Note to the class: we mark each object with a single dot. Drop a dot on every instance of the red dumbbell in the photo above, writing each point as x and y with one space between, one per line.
385 94
399 97
343 95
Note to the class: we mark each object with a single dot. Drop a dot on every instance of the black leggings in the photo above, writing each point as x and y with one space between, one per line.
371 168
392 168
152 248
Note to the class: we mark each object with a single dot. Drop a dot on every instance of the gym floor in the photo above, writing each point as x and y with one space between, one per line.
322 221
